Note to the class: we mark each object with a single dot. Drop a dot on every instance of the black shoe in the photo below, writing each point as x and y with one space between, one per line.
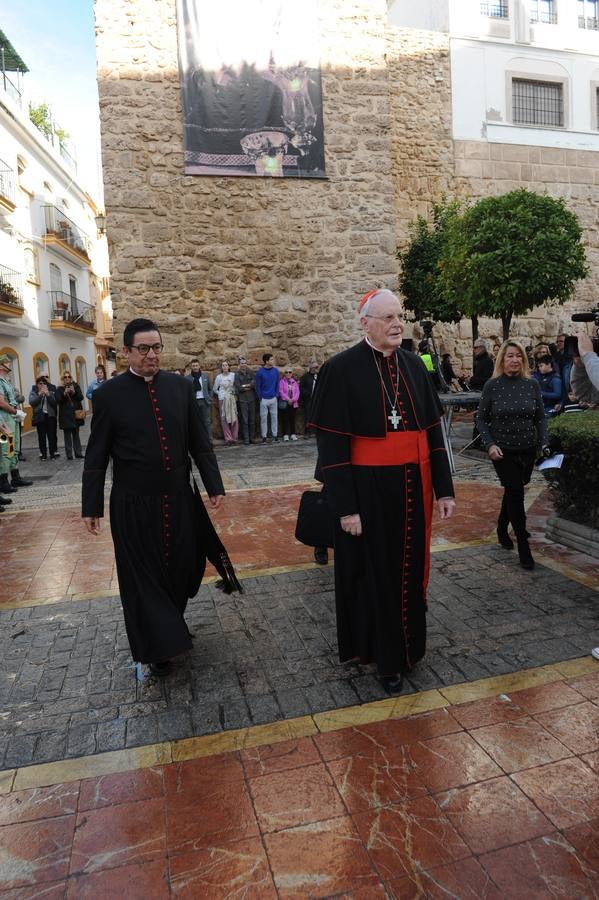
17 481
392 683
5 485
161 669
43 458
69 457
5 501
504 539
79 456
321 556
275 440
263 440
524 554
54 455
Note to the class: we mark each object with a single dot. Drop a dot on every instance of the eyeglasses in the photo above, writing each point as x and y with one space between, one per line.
144 349
388 319
288 372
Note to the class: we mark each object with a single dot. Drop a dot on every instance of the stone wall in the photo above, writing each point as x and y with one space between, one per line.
230 265
244 264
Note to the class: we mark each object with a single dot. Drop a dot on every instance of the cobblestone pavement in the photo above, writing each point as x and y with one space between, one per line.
68 687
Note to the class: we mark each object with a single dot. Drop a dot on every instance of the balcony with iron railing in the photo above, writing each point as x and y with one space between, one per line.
495 10
591 23
71 313
8 191
11 292
64 235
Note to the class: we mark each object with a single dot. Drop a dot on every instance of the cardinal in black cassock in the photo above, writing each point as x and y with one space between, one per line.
149 423
382 457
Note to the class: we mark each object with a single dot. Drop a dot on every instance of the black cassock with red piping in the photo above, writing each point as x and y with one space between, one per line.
381 454
150 429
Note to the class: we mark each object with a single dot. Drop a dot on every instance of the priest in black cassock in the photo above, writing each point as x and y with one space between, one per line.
148 421
382 457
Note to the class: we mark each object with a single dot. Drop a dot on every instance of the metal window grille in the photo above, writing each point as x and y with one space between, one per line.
537 103
496 10
588 15
543 11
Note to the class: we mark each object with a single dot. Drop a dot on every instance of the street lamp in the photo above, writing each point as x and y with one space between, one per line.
101 223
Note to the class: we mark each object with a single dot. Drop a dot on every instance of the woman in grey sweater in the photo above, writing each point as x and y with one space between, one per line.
512 425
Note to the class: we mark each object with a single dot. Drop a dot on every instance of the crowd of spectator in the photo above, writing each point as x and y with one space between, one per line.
255 405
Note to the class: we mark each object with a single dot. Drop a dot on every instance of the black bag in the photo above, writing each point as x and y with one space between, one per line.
315 524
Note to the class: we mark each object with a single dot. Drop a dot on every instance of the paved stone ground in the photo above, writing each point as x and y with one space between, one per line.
68 686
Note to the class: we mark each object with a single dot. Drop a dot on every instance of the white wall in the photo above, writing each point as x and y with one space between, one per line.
429 15
481 99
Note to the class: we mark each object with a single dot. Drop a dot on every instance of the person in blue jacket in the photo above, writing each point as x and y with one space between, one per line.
550 384
267 389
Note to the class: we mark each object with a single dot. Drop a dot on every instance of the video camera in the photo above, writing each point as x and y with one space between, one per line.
591 316
427 328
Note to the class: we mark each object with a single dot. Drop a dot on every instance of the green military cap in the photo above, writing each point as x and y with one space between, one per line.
5 360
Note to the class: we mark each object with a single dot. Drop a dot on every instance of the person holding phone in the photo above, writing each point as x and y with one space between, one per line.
42 400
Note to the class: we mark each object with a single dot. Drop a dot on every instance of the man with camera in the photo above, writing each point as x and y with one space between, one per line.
589 359
42 400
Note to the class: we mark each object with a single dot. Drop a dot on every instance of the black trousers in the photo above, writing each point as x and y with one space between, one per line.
514 472
72 442
288 419
46 435
247 418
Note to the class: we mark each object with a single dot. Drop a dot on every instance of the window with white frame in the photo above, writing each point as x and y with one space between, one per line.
543 11
588 14
495 9
537 102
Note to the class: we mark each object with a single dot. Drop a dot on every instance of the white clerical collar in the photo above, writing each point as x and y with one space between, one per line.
145 377
370 344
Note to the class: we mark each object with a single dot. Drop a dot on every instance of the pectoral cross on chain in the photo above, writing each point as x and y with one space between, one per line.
394 418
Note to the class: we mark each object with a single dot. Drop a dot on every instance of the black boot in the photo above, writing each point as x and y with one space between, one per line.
524 554
502 524
17 481
5 501
5 485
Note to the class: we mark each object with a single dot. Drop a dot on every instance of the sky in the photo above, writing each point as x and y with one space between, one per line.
57 43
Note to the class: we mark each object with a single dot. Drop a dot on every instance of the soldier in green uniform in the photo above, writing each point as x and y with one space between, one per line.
9 449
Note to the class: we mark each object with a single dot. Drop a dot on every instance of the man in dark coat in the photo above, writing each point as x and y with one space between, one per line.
149 422
307 387
382 455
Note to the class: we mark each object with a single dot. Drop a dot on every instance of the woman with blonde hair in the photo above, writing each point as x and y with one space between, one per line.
224 390
511 422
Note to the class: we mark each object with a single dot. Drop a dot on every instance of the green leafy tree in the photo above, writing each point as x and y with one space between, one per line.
421 266
507 254
41 116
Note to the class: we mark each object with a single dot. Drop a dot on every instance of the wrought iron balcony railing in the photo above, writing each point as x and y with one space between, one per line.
495 10
10 87
59 224
11 291
72 310
591 23
7 182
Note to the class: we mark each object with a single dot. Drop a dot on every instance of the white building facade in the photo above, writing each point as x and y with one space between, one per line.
55 310
523 72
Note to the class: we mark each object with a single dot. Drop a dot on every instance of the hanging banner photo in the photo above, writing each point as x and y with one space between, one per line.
251 88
